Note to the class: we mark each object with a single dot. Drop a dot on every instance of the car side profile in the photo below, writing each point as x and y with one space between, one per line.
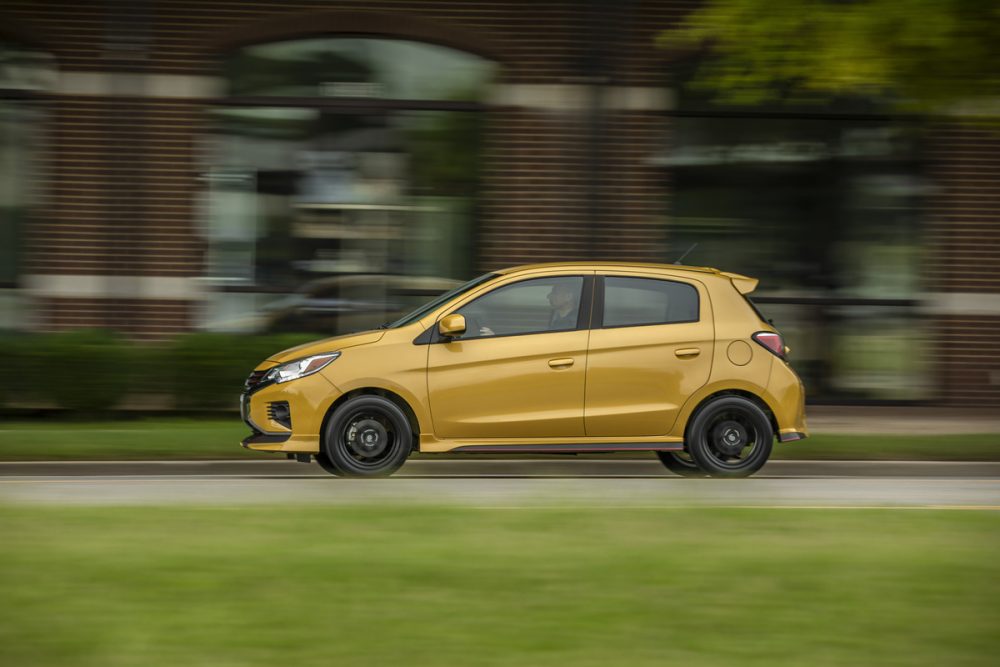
545 358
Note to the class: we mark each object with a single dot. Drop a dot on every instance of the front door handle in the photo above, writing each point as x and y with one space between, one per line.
564 362
687 352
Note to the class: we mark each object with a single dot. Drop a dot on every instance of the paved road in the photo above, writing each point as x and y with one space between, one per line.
504 467
506 483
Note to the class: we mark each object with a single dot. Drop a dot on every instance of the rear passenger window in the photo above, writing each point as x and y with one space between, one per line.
637 301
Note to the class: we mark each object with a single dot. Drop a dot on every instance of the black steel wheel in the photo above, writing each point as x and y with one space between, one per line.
368 436
680 463
730 436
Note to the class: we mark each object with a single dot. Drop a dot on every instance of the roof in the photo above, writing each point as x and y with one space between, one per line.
743 284
598 266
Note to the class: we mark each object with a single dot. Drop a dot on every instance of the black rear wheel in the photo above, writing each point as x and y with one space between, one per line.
730 436
326 464
368 436
680 463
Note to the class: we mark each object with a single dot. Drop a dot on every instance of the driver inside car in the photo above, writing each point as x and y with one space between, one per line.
563 302
563 299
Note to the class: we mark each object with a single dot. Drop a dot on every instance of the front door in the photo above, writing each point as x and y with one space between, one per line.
519 370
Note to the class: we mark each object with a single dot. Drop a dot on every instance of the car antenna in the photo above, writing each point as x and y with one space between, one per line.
686 252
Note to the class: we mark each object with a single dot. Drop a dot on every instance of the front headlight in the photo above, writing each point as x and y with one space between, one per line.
300 368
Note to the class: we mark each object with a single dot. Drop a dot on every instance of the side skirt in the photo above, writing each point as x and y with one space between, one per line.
573 448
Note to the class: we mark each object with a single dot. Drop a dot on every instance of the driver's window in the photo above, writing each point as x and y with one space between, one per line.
530 306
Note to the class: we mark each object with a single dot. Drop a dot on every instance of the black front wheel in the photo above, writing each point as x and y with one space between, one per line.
368 436
730 436
326 464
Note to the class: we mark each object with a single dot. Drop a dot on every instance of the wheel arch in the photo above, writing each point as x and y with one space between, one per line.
399 401
697 404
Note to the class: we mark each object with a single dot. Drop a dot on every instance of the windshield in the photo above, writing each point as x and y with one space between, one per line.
409 318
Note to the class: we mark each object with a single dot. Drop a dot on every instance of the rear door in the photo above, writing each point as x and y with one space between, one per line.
650 348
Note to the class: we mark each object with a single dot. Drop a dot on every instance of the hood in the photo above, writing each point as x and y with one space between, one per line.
326 345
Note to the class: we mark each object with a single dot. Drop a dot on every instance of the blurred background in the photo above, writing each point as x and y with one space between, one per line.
186 187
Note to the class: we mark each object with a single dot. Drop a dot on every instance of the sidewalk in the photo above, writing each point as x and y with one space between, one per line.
901 420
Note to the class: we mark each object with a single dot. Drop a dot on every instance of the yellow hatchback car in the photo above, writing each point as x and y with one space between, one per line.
547 358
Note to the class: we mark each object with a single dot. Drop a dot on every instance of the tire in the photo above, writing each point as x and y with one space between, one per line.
326 464
730 436
680 463
368 436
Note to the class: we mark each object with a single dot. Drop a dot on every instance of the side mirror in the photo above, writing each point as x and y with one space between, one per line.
451 326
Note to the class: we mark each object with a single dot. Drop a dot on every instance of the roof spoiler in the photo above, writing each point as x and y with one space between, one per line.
743 284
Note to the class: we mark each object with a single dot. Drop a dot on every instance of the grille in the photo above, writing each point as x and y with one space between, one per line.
254 379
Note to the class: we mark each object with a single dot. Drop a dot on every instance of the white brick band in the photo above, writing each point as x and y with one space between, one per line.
112 287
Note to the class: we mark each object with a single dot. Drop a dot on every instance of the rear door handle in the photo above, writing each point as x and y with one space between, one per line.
687 352
564 362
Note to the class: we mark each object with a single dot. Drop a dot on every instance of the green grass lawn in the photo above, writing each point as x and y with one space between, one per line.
127 439
417 586
219 438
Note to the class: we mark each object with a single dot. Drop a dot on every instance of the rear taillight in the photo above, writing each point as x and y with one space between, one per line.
771 341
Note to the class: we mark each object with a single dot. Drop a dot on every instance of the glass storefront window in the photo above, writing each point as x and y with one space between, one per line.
826 212
810 205
13 206
25 69
323 218
22 72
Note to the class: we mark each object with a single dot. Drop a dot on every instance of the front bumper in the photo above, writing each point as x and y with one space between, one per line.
259 440
308 400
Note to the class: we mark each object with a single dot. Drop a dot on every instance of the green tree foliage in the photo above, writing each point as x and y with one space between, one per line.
921 55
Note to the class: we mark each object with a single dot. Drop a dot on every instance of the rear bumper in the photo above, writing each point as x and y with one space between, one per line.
788 402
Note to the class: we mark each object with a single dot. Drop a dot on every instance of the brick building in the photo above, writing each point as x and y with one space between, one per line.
171 166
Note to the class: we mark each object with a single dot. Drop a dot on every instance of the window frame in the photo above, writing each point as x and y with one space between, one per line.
583 320
599 301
